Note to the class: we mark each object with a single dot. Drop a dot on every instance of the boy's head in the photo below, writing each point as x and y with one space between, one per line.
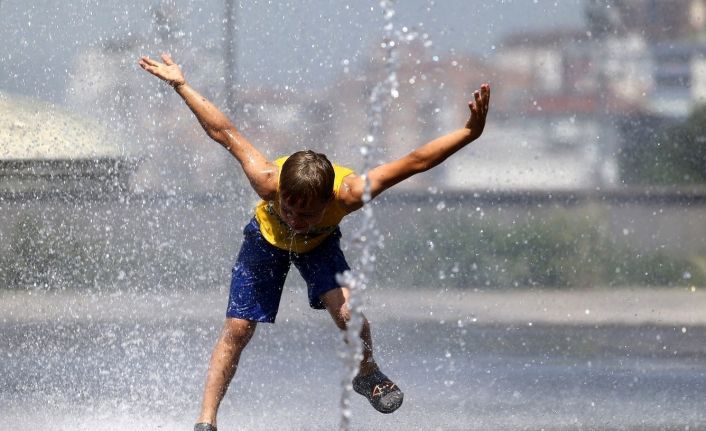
305 187
307 177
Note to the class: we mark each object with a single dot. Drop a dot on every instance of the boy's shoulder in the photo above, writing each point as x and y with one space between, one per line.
342 171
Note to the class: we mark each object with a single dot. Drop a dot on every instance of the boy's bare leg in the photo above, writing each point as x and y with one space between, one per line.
336 302
224 361
383 394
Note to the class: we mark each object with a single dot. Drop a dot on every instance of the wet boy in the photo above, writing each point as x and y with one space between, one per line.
304 197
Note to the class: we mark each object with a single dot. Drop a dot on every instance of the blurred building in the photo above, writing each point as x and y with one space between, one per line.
48 150
575 100
653 52
545 129
178 155
654 20
679 78
561 100
430 99
107 82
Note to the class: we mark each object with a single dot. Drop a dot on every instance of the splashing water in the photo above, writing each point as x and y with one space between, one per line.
367 237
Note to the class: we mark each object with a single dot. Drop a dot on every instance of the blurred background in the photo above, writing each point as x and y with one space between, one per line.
590 177
590 171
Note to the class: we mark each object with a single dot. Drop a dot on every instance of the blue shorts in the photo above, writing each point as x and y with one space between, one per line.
261 268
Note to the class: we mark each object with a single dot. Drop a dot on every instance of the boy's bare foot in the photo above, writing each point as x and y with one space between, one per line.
382 393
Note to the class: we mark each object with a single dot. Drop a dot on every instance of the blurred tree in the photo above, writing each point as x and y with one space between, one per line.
602 19
685 149
656 152
558 248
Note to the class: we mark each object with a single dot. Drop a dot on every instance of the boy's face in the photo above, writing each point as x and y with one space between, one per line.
301 216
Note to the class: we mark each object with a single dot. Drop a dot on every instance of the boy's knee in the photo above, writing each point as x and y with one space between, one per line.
238 331
336 303
341 315
335 299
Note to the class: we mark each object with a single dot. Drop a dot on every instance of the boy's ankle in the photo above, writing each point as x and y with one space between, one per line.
205 423
367 368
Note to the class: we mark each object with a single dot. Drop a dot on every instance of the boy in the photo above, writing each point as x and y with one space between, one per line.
304 197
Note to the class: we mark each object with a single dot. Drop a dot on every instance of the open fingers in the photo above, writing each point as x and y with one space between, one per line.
148 61
473 105
167 59
151 69
481 100
476 105
485 95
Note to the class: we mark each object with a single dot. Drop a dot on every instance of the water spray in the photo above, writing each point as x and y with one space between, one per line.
367 237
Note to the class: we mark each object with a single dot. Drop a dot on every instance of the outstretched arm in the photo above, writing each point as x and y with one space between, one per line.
262 174
422 159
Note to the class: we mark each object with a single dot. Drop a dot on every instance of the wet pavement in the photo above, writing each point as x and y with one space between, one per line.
123 361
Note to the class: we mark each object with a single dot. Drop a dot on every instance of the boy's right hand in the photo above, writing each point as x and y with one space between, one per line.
167 71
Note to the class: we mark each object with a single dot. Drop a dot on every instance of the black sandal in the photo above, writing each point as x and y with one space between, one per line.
382 393
204 427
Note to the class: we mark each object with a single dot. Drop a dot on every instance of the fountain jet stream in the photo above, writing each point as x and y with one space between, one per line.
367 237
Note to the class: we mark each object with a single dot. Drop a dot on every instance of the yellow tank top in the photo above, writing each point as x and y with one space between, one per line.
278 233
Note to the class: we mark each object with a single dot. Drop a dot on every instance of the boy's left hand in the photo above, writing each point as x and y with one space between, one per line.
479 110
